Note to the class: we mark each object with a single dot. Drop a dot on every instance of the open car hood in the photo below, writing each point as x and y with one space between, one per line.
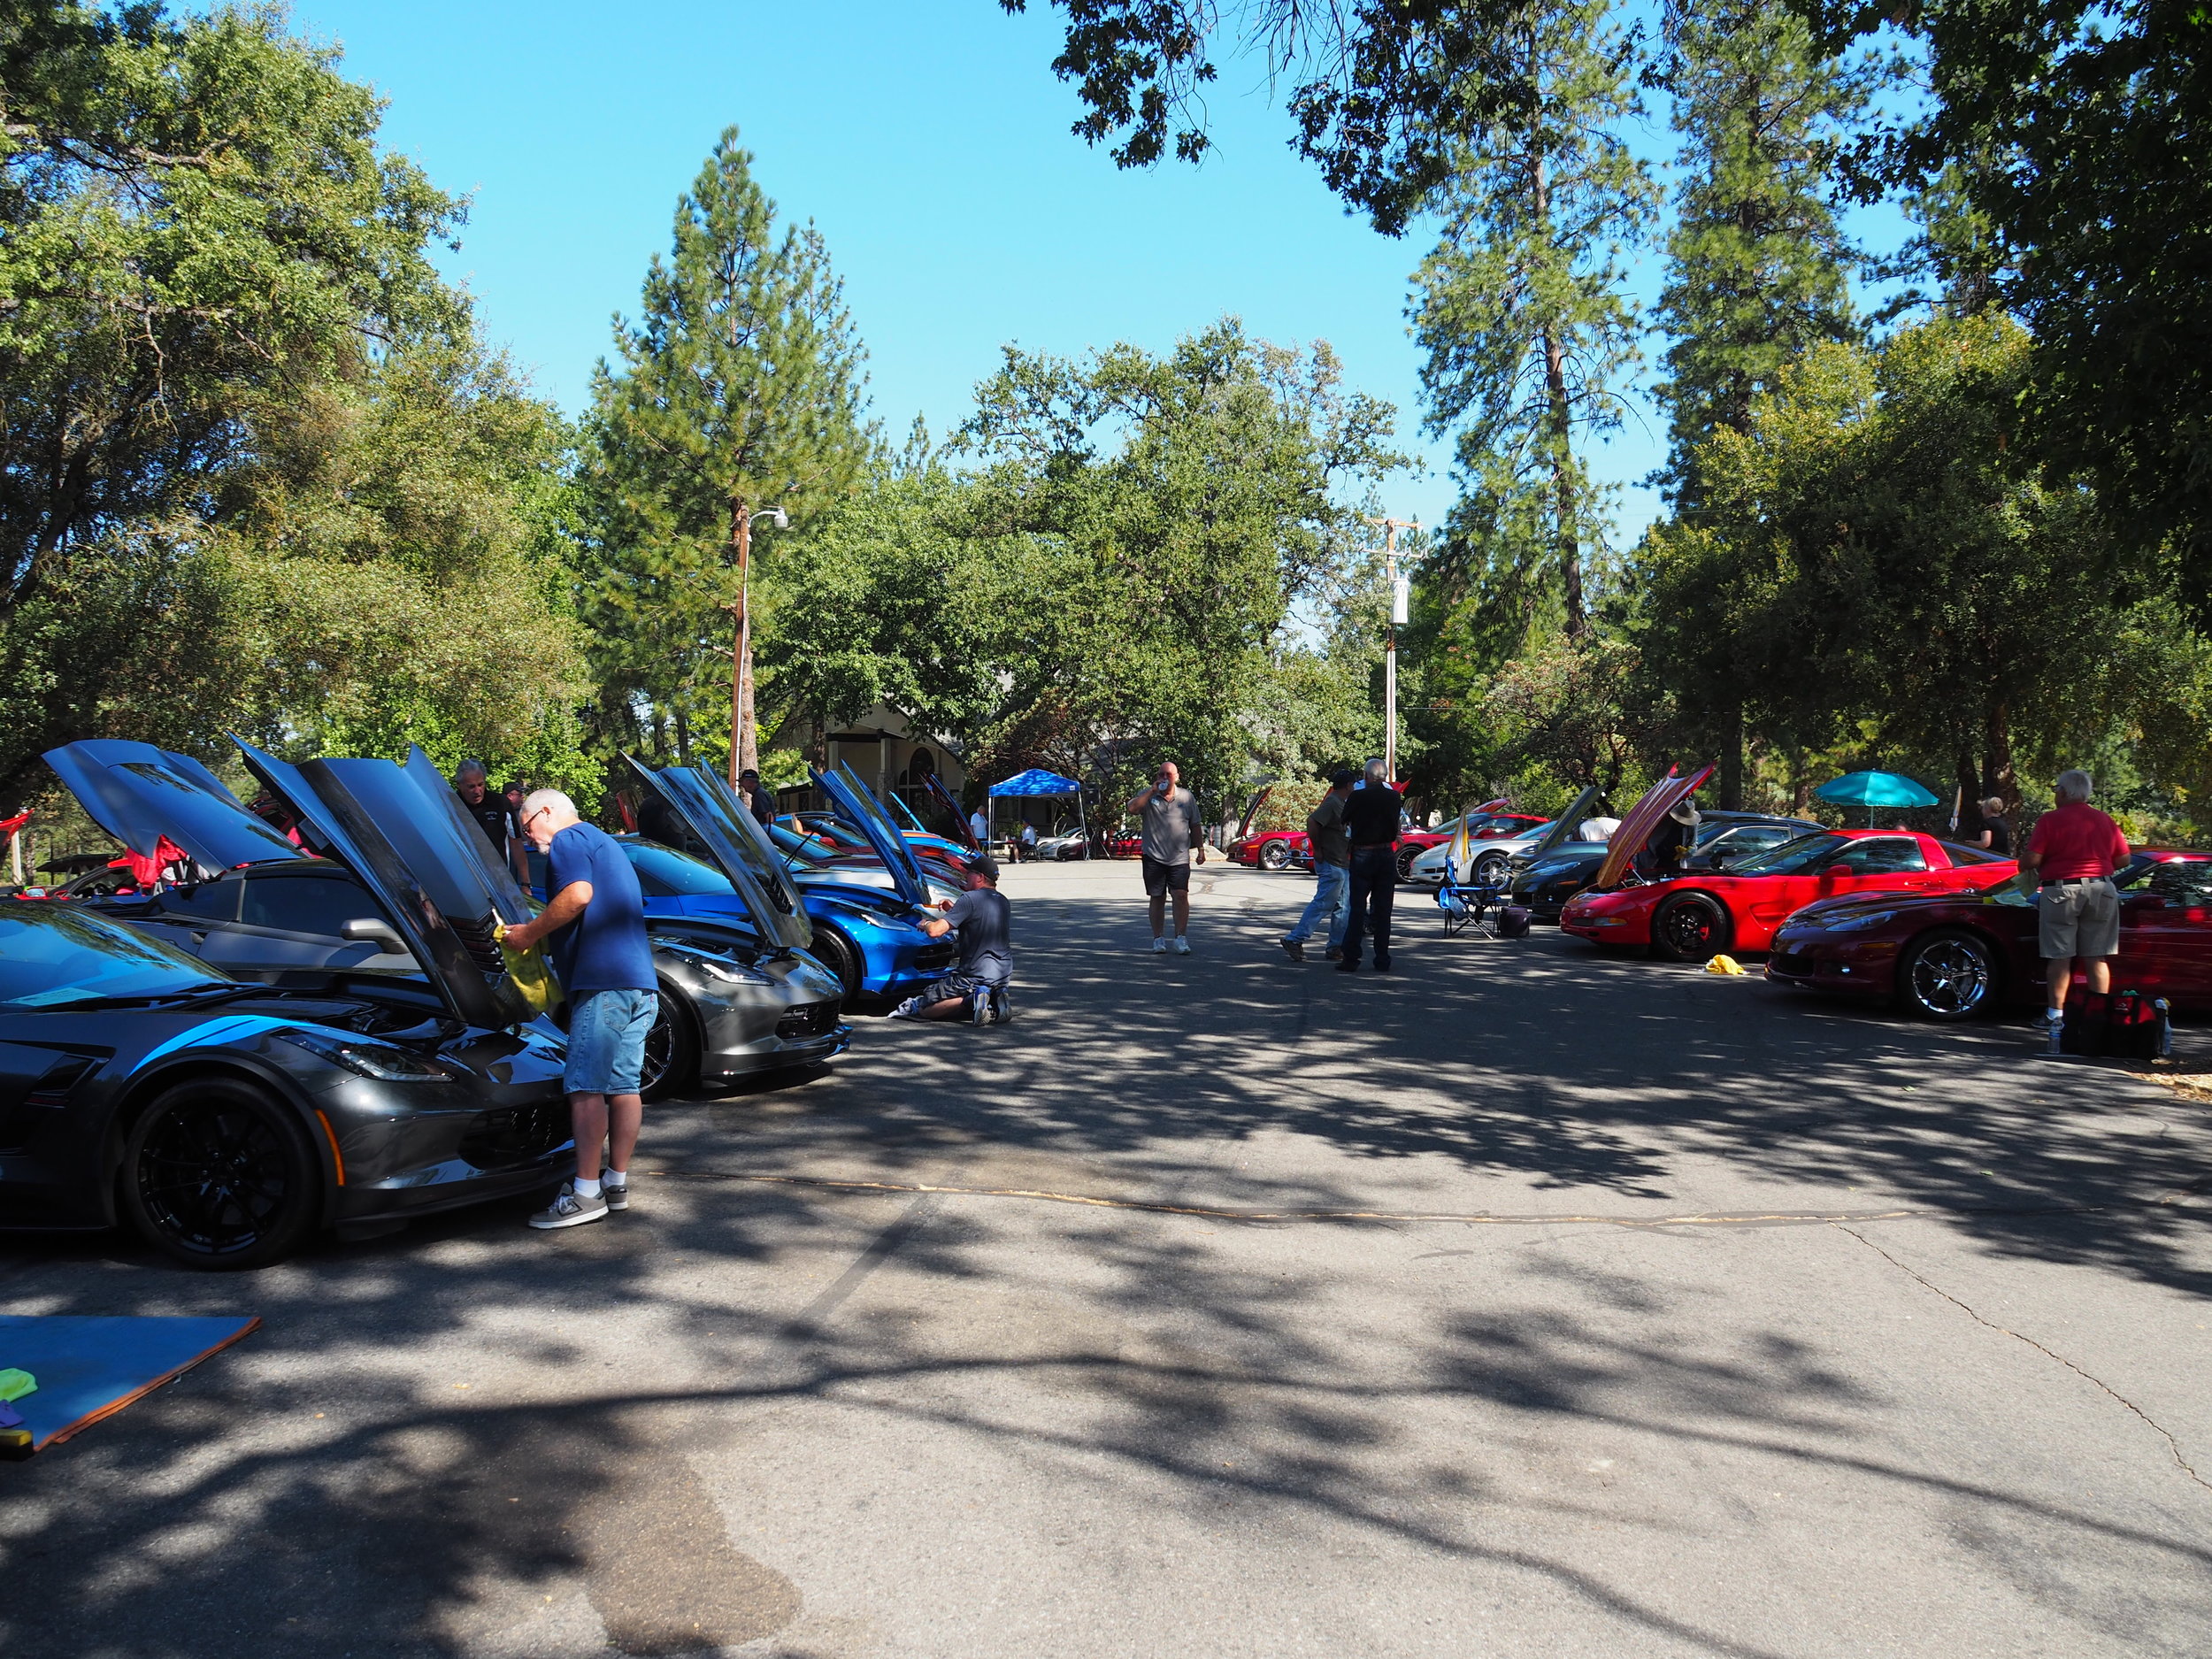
943 797
1562 827
1640 819
139 793
858 808
735 840
399 829
1252 810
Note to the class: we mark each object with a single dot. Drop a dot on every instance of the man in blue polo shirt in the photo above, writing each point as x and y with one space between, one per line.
596 921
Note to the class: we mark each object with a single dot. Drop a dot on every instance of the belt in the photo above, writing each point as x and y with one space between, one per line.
2071 881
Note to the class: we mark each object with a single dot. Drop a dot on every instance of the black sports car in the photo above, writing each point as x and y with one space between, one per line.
731 1004
225 1121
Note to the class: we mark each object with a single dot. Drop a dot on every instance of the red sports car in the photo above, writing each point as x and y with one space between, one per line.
1951 956
1689 918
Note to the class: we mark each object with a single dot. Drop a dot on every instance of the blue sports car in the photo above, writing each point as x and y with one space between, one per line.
865 922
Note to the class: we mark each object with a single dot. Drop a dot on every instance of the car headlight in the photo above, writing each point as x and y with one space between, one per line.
1857 922
382 1061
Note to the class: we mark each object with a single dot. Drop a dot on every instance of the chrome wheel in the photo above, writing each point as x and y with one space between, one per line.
1952 976
1274 855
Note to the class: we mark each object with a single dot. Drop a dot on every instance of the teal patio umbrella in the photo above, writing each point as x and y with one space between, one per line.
1871 789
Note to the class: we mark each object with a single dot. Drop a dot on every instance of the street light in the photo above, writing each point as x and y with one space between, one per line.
741 653
1400 612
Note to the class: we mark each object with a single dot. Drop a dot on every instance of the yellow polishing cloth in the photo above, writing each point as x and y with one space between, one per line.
527 968
1723 964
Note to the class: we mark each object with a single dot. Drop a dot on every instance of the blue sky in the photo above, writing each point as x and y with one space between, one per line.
929 140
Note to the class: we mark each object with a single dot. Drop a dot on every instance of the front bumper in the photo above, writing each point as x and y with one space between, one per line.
1819 961
787 1012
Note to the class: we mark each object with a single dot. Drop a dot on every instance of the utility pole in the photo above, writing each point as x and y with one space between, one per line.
743 741
1398 614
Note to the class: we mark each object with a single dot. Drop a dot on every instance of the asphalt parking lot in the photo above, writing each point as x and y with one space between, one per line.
1524 1302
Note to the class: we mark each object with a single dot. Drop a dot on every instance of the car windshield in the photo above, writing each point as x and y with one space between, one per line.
1791 857
663 873
52 955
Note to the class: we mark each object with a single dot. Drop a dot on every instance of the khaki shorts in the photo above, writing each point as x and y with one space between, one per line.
2078 918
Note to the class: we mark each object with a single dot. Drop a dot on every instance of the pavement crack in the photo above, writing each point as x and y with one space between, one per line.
2172 1444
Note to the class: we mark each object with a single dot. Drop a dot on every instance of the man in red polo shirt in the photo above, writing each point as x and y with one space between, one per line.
2073 853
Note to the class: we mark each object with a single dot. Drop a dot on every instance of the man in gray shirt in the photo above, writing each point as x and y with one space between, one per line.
1332 846
1173 831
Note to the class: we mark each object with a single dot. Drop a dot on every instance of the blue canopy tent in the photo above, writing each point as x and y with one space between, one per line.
1037 781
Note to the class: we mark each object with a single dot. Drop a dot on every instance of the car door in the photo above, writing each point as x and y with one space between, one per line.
1885 863
2166 932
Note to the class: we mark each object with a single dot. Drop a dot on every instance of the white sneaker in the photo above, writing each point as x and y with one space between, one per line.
1159 947
616 1192
1182 946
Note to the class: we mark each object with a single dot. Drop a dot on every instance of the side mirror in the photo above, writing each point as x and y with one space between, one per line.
371 929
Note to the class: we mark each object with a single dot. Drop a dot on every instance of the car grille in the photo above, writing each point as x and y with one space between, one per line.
1790 962
515 1134
811 1019
938 956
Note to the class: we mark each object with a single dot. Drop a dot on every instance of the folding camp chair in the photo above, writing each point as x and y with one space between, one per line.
1468 904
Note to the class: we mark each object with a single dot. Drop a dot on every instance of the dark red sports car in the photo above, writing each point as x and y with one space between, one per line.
1955 955
1692 917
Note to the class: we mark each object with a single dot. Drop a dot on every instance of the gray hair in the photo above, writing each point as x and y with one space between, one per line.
1994 806
537 800
1375 767
2072 785
469 769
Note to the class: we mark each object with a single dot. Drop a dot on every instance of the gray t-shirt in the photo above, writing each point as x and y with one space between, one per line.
986 921
1172 827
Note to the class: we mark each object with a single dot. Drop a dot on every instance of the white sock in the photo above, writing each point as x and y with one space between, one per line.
586 1190
615 1177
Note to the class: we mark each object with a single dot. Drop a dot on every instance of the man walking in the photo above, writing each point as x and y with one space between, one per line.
1332 870
2073 853
597 919
1172 831
1371 822
489 813
977 989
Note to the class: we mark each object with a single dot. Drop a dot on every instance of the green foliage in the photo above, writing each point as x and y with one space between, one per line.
740 390
1527 327
257 473
1756 263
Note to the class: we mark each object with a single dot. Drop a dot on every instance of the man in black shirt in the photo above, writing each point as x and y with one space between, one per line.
1370 821
976 990
754 794
488 812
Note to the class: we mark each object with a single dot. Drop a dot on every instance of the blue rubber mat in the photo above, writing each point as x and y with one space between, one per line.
89 1368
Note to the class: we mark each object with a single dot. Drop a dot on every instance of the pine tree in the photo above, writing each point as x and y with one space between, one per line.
1756 263
741 389
1521 312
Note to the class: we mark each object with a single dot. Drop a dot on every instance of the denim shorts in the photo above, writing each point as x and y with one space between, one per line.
606 1042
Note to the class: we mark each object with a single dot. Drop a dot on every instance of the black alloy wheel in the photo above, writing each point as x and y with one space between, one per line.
217 1174
1949 975
1689 928
1274 855
671 1047
1406 856
837 953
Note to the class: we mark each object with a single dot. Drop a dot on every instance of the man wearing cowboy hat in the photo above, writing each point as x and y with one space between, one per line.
1670 844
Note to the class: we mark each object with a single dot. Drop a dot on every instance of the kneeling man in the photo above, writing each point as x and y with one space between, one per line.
977 989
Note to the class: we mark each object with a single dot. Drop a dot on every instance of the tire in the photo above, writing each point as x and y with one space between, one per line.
1949 975
218 1175
1274 855
1690 928
671 1047
1489 868
1406 856
837 953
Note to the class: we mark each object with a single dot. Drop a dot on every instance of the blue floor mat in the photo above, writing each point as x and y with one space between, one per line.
89 1367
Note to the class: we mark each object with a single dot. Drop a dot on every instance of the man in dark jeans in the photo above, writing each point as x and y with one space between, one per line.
1371 819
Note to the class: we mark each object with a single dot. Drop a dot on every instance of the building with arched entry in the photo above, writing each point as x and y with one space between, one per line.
891 755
